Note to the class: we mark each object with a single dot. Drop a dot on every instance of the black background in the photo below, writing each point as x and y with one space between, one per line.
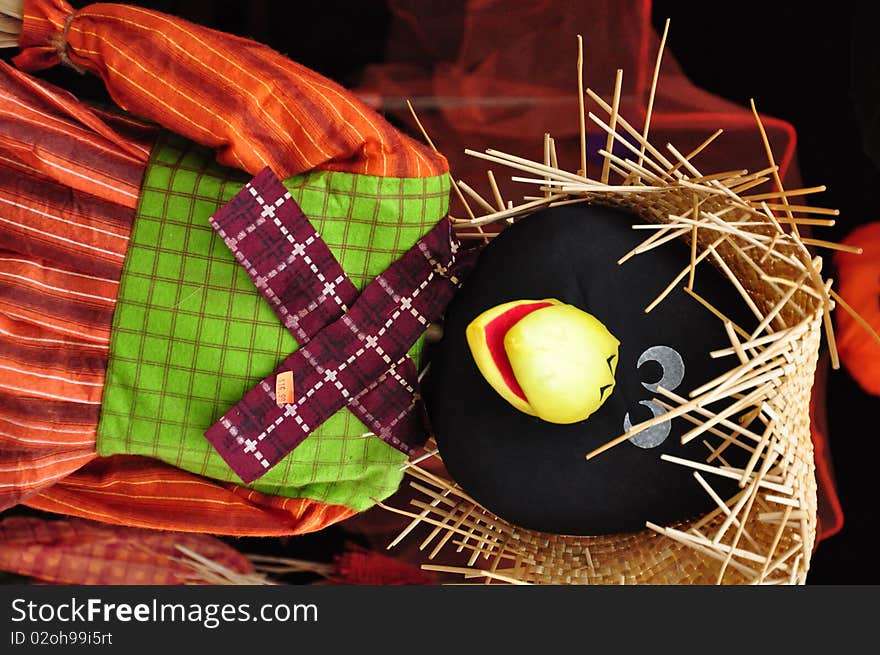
810 64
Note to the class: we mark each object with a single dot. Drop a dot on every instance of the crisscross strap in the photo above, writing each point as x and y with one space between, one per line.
358 356
302 281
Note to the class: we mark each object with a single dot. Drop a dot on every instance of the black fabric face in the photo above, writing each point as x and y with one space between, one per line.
533 473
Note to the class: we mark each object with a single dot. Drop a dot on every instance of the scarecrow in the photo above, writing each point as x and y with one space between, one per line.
216 304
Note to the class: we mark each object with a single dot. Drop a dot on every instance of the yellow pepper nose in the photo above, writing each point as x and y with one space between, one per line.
548 359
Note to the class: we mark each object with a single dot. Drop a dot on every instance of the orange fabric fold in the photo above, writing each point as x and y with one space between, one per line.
187 77
69 183
145 493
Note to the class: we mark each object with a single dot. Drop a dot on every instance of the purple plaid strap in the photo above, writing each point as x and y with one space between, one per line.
299 277
359 359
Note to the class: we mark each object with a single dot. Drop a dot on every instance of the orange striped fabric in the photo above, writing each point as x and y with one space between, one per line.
68 187
69 183
146 493
187 78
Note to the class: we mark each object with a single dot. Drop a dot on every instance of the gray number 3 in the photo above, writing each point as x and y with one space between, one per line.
672 366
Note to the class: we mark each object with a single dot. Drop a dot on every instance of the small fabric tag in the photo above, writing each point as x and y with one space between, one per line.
284 388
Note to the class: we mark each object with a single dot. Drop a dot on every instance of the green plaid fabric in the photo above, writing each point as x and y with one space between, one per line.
191 334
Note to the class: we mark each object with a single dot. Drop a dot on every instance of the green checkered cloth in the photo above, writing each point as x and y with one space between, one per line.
191 334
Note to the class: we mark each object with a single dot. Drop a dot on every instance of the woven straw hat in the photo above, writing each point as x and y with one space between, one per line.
765 533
